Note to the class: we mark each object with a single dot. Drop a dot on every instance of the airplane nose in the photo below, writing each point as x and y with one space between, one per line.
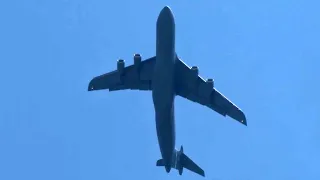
166 9
166 12
165 18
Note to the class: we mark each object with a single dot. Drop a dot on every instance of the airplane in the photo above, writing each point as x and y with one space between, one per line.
167 76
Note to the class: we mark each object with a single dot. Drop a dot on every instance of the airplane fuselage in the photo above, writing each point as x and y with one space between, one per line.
163 91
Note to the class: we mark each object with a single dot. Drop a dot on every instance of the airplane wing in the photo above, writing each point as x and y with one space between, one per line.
193 87
136 77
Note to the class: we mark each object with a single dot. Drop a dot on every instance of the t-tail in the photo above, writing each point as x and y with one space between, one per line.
180 161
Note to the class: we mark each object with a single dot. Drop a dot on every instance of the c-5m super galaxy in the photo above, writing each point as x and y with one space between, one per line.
168 76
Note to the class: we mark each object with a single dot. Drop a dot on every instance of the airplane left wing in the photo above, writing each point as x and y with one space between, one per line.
136 77
193 87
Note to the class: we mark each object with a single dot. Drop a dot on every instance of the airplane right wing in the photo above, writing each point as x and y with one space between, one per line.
137 76
193 87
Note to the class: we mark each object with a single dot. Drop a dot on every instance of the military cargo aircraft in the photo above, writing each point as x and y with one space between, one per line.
168 76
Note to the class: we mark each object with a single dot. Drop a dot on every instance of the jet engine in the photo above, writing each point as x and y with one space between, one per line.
137 59
195 70
120 65
210 83
194 77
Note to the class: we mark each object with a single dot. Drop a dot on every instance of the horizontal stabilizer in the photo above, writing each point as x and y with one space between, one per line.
187 163
180 161
160 162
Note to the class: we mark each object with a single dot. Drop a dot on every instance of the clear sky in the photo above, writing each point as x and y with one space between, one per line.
263 55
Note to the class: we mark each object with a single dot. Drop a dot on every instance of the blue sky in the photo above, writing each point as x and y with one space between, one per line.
263 55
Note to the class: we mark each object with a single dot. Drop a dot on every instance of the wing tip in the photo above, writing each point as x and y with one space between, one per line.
244 123
243 119
238 116
90 86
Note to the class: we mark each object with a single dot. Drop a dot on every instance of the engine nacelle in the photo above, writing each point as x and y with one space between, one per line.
137 59
210 83
195 70
194 77
120 65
